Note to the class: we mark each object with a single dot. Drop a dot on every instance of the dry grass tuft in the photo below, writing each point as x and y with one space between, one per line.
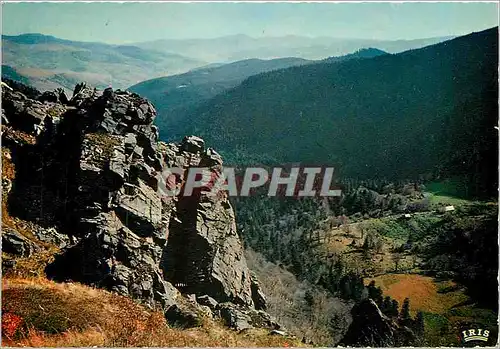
32 266
8 168
106 142
17 135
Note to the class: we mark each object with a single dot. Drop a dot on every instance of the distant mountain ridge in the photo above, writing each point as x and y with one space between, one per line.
424 112
37 38
239 47
174 95
361 53
49 62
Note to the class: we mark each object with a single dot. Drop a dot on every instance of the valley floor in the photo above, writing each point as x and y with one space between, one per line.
395 261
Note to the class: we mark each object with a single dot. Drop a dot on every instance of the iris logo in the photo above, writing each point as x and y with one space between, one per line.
475 334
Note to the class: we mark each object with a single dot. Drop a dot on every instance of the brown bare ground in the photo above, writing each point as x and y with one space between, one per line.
421 290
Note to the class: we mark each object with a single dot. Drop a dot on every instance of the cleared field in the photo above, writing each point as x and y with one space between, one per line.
425 293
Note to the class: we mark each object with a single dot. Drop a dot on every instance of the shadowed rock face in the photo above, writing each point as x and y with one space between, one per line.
370 327
102 165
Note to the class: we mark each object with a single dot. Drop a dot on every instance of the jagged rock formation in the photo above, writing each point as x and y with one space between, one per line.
90 173
371 328
204 254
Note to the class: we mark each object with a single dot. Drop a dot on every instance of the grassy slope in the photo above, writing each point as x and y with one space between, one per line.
39 312
446 305
426 293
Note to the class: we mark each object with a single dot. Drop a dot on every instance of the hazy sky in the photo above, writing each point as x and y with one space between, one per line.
132 22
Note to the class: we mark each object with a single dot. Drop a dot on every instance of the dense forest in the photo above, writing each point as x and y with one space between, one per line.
174 96
425 113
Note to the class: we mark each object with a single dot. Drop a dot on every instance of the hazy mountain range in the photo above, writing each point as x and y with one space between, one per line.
47 62
240 47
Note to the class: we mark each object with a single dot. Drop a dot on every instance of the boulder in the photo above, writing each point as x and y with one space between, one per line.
49 96
16 244
28 91
24 114
6 185
241 318
207 301
234 317
61 96
82 94
183 317
261 319
118 166
193 144
141 208
51 236
204 252
110 255
258 297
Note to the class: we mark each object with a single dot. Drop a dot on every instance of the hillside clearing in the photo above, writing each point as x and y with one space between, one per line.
425 293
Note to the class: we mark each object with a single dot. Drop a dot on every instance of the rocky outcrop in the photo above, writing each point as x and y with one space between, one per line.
96 172
258 297
16 244
241 319
204 254
371 328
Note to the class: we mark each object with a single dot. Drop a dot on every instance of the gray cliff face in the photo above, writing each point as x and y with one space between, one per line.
100 166
204 254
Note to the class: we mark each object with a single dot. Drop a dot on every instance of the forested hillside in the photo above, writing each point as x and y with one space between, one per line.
430 271
174 96
429 112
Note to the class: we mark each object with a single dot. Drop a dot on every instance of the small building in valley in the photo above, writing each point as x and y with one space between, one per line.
444 209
